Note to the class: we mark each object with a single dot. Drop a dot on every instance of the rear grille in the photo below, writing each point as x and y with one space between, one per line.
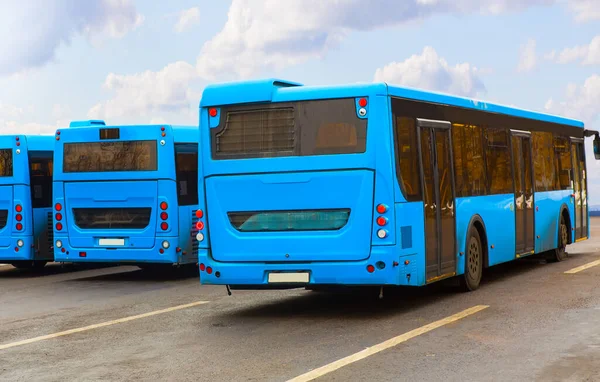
115 218
50 231
193 233
3 218
299 220
263 132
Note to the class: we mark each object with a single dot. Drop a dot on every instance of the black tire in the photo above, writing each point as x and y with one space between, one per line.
30 265
560 253
471 279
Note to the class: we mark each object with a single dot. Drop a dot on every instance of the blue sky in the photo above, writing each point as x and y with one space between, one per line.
131 61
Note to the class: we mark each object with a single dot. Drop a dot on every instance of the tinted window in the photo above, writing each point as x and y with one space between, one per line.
290 129
469 160
407 157
40 178
544 164
110 156
498 162
562 150
6 162
186 164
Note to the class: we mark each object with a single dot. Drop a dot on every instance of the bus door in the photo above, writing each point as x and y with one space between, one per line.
524 202
579 188
437 179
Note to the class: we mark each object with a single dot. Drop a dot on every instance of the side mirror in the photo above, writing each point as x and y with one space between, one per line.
597 147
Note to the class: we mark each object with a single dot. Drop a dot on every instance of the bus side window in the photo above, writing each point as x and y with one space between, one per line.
186 166
40 178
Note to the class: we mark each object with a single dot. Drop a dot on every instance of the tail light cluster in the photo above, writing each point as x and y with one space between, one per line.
381 221
164 216
19 217
199 226
58 216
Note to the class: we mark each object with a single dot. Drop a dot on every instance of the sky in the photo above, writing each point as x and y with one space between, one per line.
138 62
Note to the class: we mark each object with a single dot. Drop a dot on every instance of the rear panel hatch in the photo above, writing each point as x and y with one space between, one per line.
6 203
99 212
303 216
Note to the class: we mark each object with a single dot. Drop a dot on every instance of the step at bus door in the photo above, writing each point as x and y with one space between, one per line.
579 188
524 202
437 179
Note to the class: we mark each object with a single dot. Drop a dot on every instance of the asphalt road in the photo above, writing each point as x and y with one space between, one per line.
530 322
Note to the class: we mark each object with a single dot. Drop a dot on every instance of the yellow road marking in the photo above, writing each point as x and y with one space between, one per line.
100 325
316 373
583 267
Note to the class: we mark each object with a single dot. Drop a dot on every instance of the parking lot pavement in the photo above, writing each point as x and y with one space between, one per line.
528 321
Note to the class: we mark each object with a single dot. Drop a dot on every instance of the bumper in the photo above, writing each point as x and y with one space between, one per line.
13 252
122 255
405 270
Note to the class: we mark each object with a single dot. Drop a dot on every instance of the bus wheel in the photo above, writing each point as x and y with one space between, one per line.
473 262
560 253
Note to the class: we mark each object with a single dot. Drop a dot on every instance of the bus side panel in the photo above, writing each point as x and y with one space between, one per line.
497 214
189 251
547 213
410 233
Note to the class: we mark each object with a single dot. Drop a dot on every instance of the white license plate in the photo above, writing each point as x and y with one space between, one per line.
112 242
296 277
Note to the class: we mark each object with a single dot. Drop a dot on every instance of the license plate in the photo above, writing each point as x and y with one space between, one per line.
112 242
296 277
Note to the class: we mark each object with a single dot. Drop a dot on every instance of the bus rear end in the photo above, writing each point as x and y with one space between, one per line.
290 182
25 237
116 195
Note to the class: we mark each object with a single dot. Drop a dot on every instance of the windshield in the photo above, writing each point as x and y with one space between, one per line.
110 156
6 162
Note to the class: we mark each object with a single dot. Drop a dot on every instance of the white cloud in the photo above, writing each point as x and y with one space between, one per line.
9 111
587 54
585 10
528 56
13 127
272 34
431 72
580 102
148 92
187 18
31 31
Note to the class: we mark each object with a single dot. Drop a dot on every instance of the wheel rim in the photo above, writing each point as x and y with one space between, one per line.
563 237
473 258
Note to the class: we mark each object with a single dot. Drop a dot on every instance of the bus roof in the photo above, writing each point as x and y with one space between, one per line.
181 133
35 142
275 90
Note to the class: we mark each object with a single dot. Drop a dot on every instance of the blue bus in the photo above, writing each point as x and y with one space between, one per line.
126 194
381 185
26 200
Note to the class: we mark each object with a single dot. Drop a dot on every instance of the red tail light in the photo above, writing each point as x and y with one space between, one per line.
200 226
18 208
164 226
381 221
370 268
362 102
202 267
164 206
19 226
19 217
59 226
58 216
199 214
208 270
58 207
82 254
164 215
212 112
382 209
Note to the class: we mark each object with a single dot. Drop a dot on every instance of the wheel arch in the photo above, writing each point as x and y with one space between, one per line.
564 213
477 223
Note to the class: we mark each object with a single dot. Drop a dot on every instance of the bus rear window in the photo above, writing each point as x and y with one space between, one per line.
110 156
6 162
319 127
